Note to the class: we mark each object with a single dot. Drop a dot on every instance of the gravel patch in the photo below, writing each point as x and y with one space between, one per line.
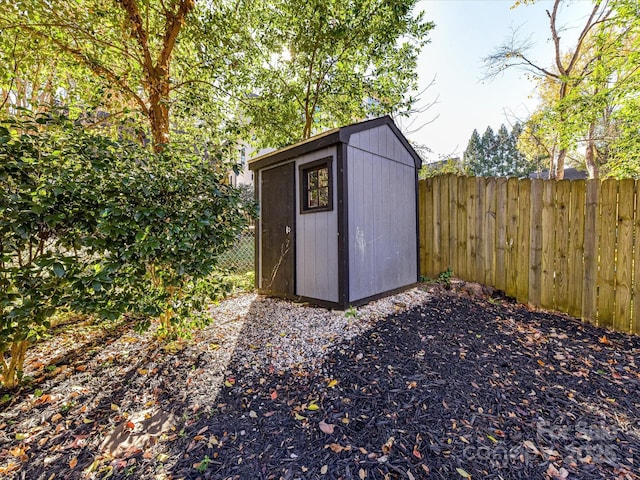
264 335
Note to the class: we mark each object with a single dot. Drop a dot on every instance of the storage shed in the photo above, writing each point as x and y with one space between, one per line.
338 222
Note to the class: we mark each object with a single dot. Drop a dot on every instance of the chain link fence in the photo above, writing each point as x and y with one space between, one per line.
240 258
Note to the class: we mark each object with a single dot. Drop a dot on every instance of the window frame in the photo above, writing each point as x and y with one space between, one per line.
304 170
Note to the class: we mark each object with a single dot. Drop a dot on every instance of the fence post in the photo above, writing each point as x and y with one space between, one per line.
445 218
590 285
524 236
436 264
562 273
422 210
606 252
624 256
461 250
535 252
480 231
576 241
511 251
548 243
453 224
635 320
501 233
489 253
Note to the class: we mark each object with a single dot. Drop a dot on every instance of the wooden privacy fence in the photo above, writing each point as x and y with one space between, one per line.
571 246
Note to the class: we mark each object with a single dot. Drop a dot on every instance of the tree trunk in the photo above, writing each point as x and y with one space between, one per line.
308 123
10 377
560 164
158 84
159 120
590 153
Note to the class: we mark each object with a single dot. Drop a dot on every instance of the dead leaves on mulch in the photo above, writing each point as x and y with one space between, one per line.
460 388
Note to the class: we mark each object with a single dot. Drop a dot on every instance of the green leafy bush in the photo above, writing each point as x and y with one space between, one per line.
104 227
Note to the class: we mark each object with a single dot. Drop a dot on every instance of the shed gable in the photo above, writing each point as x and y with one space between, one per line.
383 142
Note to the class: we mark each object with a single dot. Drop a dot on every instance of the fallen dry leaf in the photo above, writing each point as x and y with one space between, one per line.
386 448
337 448
327 428
553 472
73 462
529 444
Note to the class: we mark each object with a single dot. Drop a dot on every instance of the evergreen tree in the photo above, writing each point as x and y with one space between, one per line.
496 155
472 157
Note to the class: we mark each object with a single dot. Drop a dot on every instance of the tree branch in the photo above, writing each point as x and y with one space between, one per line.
137 29
172 29
93 65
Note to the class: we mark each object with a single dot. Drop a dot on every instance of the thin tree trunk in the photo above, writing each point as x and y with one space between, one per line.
308 123
560 164
10 370
590 153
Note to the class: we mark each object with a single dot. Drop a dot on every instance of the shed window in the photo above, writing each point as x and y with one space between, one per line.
316 193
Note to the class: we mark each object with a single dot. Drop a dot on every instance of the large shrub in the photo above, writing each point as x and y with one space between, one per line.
104 227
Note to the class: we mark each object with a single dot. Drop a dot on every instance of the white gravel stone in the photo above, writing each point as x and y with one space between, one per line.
262 333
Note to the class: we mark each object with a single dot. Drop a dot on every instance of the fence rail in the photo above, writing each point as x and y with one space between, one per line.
571 246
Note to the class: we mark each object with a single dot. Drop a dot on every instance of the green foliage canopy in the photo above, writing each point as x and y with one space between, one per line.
306 66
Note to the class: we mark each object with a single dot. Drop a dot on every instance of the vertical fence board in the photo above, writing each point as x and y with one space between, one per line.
501 233
606 253
445 263
624 257
563 275
453 223
535 251
511 264
422 215
430 222
462 227
635 318
480 185
569 246
472 205
576 243
524 236
490 232
590 285
548 241
437 225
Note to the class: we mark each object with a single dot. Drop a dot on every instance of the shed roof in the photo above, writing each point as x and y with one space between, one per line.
328 138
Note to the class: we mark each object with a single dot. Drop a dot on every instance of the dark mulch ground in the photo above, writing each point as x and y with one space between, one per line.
459 388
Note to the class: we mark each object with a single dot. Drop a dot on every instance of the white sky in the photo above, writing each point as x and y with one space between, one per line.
467 31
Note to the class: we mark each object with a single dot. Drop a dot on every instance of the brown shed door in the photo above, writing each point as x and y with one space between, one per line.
277 230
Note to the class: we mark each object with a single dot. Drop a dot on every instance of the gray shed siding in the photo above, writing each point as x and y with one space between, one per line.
317 241
382 214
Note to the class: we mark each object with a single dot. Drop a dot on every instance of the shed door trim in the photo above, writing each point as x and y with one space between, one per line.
277 230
